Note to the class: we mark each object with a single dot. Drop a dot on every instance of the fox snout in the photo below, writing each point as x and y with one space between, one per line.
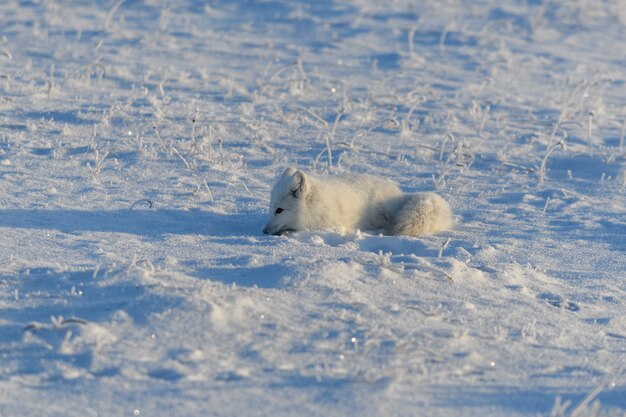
269 230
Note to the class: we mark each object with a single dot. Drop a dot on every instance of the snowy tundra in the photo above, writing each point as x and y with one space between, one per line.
349 202
139 142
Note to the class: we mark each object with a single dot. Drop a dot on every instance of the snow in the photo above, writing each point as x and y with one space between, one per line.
139 141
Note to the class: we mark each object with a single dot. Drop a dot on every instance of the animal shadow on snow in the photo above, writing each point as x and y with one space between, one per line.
156 224
149 223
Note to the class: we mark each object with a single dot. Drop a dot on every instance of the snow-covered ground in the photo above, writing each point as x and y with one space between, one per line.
139 141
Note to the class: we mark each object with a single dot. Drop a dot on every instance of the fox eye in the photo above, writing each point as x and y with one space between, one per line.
279 210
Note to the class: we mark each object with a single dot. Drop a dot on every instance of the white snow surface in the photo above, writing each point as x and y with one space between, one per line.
139 141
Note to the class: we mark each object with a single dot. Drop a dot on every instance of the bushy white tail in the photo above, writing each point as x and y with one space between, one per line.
422 214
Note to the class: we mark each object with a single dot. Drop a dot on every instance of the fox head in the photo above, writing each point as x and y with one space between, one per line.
287 202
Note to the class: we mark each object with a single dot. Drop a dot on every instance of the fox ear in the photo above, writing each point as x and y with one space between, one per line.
288 172
299 184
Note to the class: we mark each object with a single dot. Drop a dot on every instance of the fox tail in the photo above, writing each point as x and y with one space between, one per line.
422 214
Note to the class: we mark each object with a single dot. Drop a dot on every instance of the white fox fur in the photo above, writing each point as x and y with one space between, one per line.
348 202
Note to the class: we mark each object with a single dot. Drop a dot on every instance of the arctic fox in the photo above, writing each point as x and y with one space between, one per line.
304 202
